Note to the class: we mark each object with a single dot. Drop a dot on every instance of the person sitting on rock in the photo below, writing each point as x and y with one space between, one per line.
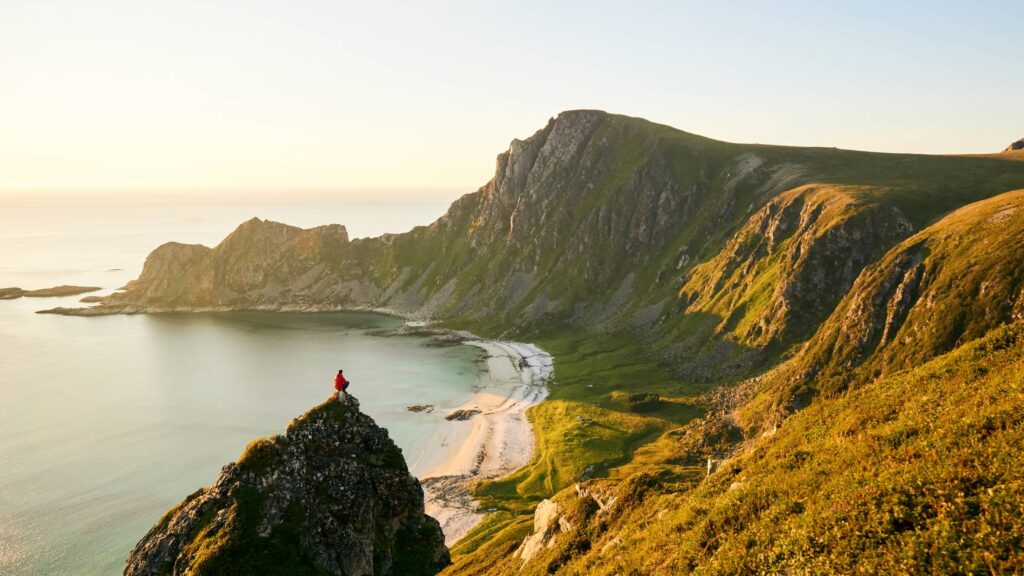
340 383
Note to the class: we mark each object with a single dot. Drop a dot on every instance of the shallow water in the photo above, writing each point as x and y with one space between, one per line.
105 423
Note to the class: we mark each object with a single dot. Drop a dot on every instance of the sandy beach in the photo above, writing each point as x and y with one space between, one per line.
499 439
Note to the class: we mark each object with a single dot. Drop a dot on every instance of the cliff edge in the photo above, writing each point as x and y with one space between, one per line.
332 495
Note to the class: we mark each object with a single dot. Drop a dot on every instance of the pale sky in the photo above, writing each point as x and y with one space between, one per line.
139 95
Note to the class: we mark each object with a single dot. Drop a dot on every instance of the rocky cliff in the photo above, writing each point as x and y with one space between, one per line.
706 249
331 496
947 285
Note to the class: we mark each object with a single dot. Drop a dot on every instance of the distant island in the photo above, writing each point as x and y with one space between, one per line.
56 291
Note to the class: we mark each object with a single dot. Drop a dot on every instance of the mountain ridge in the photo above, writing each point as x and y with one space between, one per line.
595 220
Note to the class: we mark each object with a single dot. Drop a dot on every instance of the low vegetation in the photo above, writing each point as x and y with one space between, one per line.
915 473
740 336
916 469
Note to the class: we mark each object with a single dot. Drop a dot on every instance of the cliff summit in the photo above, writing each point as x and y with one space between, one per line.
330 496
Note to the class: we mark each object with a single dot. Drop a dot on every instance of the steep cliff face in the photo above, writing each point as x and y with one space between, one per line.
331 496
261 263
949 284
781 275
720 255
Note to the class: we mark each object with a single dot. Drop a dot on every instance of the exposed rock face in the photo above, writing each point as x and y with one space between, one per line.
563 527
722 254
259 264
947 285
1018 145
784 272
331 496
545 528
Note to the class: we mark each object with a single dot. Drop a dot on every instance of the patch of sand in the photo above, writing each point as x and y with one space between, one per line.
500 439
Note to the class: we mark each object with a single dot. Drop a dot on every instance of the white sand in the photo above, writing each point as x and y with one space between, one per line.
499 441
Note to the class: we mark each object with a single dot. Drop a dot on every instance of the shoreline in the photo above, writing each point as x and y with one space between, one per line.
500 439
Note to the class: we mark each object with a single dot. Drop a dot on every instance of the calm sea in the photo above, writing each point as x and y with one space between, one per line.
105 423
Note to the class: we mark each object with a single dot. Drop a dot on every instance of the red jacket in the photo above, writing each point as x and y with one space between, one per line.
340 384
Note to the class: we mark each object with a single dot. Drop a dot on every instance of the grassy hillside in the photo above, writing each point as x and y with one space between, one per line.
695 294
947 285
715 254
915 473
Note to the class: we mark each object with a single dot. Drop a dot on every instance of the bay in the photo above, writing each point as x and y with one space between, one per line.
106 423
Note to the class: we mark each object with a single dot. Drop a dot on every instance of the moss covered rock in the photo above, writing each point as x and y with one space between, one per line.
331 496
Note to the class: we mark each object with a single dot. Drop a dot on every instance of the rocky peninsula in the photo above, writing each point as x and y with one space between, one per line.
56 291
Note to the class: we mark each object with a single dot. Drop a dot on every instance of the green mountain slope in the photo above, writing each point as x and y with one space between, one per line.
910 472
602 222
947 285
915 473
703 300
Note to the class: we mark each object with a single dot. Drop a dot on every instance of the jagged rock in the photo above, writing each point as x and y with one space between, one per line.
331 496
462 414
940 288
545 522
782 274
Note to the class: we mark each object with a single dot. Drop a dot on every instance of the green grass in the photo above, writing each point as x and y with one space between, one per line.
915 473
962 277
588 426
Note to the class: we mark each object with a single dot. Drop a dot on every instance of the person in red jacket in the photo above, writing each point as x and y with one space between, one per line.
340 383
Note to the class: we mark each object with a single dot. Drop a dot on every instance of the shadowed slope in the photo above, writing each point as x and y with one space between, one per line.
332 496
947 285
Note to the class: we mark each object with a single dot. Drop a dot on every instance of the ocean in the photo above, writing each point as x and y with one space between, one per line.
106 423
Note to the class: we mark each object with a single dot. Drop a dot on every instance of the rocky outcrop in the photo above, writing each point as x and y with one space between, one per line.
56 291
1018 145
575 522
331 496
545 528
260 264
783 273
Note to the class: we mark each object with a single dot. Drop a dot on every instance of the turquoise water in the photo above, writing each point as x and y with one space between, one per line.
105 423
